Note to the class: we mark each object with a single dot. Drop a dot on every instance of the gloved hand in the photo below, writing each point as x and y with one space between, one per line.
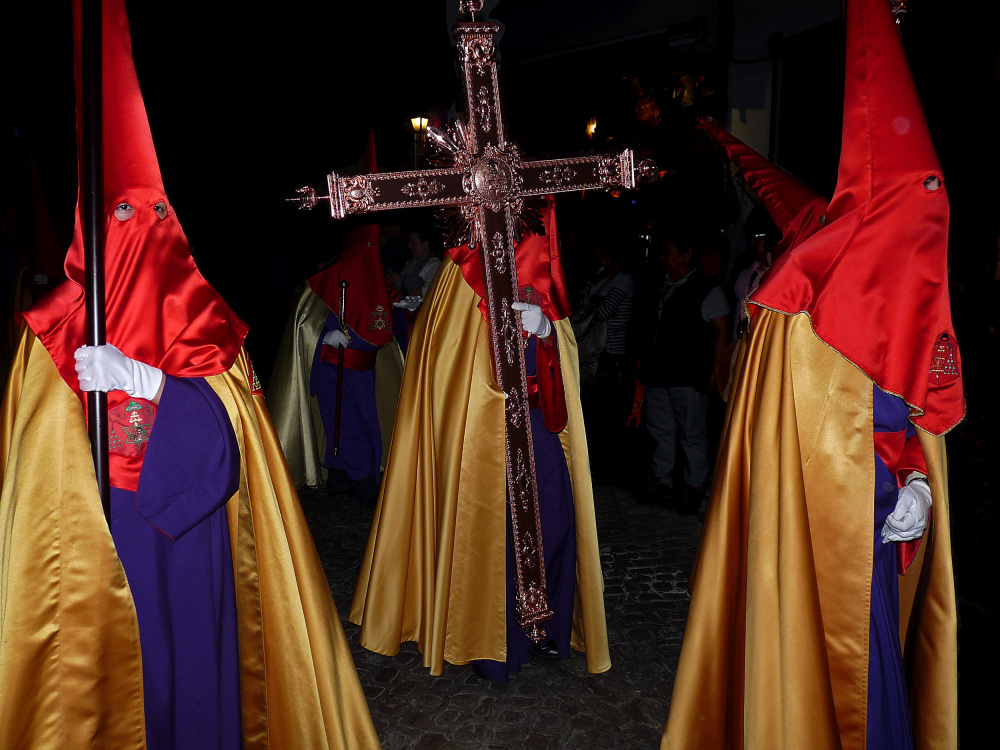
909 519
336 338
533 320
105 368
409 303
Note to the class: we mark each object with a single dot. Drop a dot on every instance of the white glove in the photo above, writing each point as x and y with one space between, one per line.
336 338
908 521
105 368
409 303
533 320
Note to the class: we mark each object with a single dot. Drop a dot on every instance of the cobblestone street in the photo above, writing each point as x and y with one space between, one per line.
646 553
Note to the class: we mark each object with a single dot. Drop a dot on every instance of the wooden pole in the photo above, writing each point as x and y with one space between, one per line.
92 200
340 369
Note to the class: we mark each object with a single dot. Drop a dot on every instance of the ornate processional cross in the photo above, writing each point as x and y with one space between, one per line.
486 194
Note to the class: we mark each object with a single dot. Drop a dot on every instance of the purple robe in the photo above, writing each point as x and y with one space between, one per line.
360 450
889 725
555 505
172 537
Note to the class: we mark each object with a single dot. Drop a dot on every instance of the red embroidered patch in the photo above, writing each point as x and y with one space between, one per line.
130 426
944 369
380 319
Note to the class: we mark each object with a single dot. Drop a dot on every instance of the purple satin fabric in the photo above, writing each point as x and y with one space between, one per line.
183 586
401 328
555 503
360 450
889 725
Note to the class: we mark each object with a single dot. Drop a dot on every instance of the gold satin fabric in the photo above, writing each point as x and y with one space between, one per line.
434 570
70 662
296 413
298 683
775 653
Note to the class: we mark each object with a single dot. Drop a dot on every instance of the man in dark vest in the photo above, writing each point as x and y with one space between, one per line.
692 318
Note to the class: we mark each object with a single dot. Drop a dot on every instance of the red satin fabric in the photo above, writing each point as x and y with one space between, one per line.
159 308
903 456
539 266
906 552
552 394
796 209
354 359
874 279
367 309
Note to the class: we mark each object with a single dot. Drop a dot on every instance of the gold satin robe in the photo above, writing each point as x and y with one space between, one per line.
434 570
775 653
70 662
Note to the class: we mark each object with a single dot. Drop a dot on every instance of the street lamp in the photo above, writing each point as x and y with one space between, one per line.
419 137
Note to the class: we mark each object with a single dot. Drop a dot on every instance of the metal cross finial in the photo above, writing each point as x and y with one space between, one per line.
470 7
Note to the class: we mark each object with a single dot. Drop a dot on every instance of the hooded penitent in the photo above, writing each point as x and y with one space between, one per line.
159 309
75 670
797 210
889 214
369 316
800 631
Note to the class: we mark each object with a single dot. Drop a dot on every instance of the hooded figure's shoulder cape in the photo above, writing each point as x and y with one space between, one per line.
70 661
434 570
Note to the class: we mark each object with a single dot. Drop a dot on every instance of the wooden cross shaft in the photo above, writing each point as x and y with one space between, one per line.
487 197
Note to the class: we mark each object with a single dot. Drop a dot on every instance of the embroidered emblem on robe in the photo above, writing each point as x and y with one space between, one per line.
130 426
943 367
380 319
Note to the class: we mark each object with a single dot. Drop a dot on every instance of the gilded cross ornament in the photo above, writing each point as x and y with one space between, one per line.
489 198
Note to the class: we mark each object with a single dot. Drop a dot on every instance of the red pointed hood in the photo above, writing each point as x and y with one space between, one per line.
159 308
875 278
540 276
366 304
797 210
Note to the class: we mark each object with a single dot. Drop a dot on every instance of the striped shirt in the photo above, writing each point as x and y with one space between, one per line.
616 307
